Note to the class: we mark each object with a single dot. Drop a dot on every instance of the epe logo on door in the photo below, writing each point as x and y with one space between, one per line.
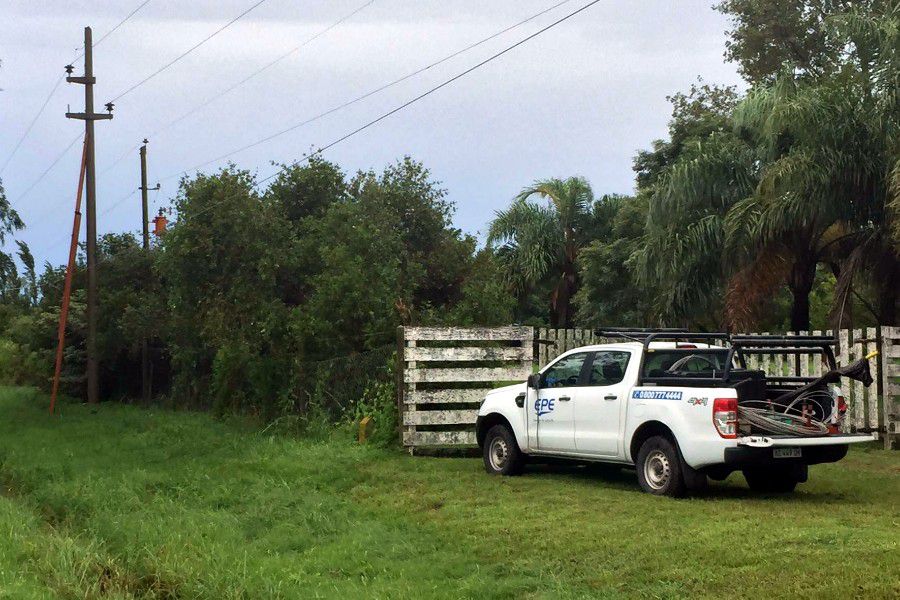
543 406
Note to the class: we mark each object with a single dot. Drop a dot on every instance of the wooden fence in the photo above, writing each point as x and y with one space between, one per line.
445 375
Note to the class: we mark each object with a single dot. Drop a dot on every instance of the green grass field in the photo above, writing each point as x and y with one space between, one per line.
121 502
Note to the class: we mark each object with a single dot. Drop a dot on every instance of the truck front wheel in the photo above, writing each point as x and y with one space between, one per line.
659 468
501 452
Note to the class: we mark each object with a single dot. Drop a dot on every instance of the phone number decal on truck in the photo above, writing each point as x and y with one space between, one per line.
656 395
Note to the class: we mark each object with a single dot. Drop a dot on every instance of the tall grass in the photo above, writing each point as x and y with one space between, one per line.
114 501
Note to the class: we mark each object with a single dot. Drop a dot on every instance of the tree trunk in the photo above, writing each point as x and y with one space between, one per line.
803 276
887 295
562 313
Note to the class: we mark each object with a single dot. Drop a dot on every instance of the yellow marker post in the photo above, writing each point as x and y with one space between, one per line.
365 429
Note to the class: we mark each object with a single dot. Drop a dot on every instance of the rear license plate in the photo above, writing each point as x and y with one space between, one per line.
786 453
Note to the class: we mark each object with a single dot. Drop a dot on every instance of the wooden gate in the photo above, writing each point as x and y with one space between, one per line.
446 373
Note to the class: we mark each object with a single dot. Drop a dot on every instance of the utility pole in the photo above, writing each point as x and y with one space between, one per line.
145 231
145 227
89 116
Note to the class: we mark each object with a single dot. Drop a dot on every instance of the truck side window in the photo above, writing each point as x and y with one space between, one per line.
565 372
608 367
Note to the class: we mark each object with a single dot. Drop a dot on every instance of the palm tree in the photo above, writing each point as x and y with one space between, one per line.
831 149
539 243
680 257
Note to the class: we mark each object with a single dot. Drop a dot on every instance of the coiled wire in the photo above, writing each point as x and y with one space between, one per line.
792 421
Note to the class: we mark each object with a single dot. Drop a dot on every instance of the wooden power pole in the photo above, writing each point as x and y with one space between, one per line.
89 116
145 231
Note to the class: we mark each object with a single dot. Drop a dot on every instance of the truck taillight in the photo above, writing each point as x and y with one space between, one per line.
725 412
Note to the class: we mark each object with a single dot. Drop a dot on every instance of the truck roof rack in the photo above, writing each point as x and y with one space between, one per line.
646 335
738 345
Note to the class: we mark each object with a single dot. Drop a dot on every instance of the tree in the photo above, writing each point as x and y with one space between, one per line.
385 255
540 243
609 294
485 299
229 333
831 144
9 224
766 35
29 285
690 182
800 177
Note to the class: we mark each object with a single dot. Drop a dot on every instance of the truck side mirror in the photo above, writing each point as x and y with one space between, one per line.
534 381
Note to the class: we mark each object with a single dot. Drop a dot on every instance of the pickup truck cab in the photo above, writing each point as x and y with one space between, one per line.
669 408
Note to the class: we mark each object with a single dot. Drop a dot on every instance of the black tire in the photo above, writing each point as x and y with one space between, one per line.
659 468
501 452
772 480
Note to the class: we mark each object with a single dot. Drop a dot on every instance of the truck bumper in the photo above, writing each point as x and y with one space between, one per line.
749 456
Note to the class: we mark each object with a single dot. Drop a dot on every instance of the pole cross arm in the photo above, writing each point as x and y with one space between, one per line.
88 116
82 80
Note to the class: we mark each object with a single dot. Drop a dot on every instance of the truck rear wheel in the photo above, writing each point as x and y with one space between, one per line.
501 452
659 468
774 480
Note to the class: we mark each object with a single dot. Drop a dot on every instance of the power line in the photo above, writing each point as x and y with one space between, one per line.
374 91
31 124
118 202
186 52
59 82
266 67
113 30
50 168
241 82
420 96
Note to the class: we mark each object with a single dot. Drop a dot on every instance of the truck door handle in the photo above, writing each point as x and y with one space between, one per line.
610 397
564 398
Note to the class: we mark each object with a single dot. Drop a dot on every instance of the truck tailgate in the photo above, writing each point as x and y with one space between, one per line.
763 441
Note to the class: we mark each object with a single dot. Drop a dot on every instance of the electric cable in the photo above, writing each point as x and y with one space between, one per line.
117 203
56 87
447 82
50 168
187 52
233 87
266 67
31 124
430 91
113 30
374 91
763 415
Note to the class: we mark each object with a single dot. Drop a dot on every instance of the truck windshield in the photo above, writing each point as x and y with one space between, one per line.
665 362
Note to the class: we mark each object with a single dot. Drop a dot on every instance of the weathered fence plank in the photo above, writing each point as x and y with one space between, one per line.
504 353
446 396
469 374
470 334
439 438
439 417
873 414
890 372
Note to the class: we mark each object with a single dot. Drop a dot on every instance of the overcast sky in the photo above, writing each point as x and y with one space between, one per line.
581 99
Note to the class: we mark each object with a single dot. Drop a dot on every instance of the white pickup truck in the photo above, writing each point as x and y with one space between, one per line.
672 407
